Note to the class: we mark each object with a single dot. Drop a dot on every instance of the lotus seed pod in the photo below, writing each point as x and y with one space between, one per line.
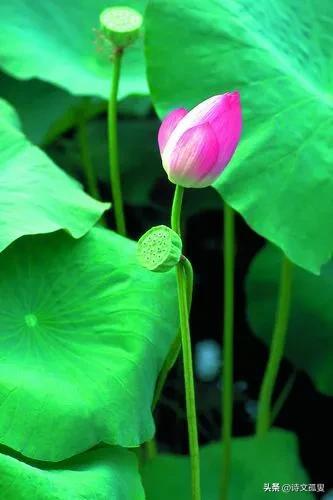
159 249
121 25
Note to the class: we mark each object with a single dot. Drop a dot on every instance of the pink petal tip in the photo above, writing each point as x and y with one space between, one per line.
168 125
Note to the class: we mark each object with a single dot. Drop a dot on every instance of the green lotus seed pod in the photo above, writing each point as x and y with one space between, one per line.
159 249
121 25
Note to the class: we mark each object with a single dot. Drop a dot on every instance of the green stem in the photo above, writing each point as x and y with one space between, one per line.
176 345
83 142
151 446
183 271
227 373
276 350
189 281
150 449
117 199
176 209
283 396
189 383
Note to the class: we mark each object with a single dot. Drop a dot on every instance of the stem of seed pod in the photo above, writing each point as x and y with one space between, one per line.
182 286
117 199
276 350
176 345
228 334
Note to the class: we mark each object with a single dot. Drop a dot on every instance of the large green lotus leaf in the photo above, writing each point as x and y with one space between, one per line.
54 41
309 343
255 462
102 474
280 58
35 195
84 333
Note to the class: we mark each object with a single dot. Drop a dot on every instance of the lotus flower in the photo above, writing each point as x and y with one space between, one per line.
197 145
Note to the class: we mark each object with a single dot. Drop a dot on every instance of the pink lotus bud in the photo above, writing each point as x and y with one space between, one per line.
197 145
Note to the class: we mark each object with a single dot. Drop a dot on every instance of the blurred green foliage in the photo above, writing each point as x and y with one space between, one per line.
309 343
256 462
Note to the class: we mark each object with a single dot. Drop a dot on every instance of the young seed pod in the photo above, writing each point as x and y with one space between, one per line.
121 25
159 249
